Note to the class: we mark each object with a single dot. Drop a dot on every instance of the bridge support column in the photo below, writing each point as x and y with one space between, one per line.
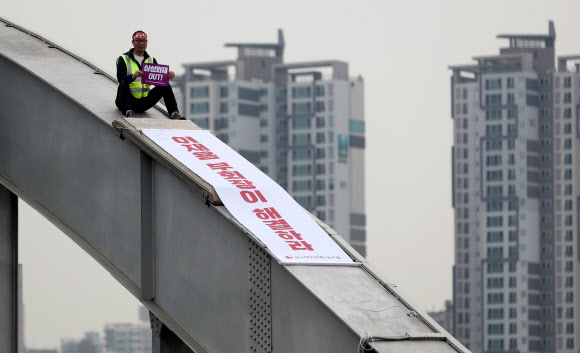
165 340
9 272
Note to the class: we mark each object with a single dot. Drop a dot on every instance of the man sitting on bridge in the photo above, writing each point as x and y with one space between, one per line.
134 96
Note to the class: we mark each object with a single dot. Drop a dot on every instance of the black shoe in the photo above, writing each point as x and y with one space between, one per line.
176 116
130 114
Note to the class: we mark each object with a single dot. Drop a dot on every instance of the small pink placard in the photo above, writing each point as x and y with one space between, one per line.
154 74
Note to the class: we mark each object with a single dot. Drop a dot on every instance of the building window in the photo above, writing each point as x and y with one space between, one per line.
301 154
301 139
301 92
319 91
199 92
304 201
320 107
493 160
493 145
302 185
567 113
546 219
495 253
511 98
224 107
495 267
511 82
494 191
200 108
495 329
494 83
545 127
299 170
357 126
546 203
495 313
493 130
495 205
201 122
495 298
301 123
225 138
493 99
495 221
301 108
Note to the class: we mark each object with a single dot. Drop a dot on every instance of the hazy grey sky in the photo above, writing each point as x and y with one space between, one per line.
401 48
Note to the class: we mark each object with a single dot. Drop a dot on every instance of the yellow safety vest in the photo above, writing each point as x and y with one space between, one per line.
138 90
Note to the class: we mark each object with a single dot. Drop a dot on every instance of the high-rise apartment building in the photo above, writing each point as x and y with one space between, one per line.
566 233
516 198
444 317
90 343
123 338
301 123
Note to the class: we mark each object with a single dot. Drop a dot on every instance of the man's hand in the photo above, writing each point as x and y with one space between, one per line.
171 75
137 73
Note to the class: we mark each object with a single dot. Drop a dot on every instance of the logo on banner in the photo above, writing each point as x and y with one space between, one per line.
154 74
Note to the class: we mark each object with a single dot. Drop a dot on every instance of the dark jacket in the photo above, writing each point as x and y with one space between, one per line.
122 68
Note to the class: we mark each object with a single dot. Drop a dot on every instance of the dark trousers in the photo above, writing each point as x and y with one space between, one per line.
125 100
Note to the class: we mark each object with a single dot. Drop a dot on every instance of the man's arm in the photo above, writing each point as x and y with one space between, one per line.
122 71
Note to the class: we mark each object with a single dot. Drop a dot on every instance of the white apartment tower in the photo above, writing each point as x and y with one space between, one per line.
515 195
301 123
566 234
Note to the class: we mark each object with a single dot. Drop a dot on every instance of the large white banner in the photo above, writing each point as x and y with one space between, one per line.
252 198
